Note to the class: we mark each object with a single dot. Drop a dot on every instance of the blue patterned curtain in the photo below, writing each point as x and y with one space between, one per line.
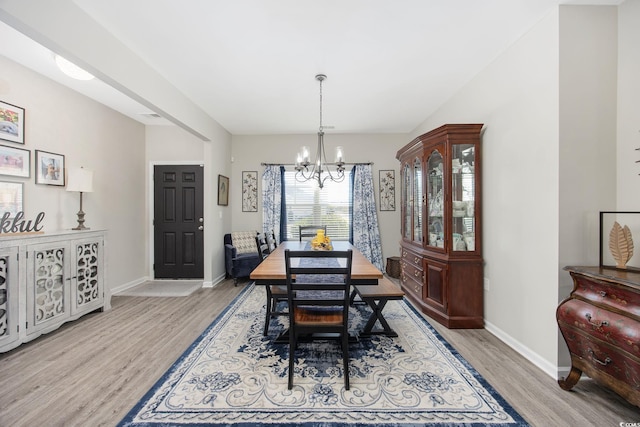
271 198
366 234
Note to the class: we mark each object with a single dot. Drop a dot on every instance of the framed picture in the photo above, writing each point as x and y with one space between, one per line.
11 123
10 198
49 168
387 185
15 162
617 232
223 190
249 191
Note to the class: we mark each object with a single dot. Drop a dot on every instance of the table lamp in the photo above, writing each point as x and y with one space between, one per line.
79 179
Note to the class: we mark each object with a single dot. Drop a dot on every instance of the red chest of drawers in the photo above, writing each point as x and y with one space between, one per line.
600 322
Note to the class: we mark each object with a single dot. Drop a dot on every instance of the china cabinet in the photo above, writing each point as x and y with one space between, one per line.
441 224
47 280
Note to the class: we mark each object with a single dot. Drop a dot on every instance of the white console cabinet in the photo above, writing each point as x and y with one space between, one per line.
47 280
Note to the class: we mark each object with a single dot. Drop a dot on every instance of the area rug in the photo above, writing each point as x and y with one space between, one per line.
234 376
163 288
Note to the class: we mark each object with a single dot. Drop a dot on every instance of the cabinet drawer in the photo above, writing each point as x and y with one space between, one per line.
412 271
411 286
624 299
411 258
599 356
612 328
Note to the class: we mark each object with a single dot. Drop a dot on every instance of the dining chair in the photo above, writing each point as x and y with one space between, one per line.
275 293
262 245
311 230
318 293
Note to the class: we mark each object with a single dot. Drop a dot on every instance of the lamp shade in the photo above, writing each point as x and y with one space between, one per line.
79 179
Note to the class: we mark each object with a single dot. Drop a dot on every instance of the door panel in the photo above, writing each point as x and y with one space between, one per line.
178 222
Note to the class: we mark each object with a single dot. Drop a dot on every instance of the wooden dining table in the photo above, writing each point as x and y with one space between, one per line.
272 270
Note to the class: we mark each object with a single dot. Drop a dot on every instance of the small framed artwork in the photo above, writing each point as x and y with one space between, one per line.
15 162
617 232
249 191
10 198
11 123
49 168
387 184
223 190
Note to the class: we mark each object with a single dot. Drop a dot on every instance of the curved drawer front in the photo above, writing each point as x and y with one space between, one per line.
410 285
410 270
621 298
603 357
411 258
612 328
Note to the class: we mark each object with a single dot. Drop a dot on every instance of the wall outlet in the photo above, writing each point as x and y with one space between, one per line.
486 284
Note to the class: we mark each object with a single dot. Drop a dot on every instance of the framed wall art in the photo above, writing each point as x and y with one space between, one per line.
49 168
387 186
617 232
11 123
10 198
15 162
249 191
223 190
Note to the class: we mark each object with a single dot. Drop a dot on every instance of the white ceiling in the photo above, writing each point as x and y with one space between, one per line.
250 64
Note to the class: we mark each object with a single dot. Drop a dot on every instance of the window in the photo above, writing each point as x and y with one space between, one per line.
307 204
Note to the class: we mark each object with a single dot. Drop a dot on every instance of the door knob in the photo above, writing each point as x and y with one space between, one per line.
201 228
201 220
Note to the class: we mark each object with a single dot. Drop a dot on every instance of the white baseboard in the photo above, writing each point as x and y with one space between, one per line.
214 282
126 286
136 282
533 357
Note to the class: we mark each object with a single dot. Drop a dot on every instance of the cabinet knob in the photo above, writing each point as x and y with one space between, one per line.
603 294
416 260
416 273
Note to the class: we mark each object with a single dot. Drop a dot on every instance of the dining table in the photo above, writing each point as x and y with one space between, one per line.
272 270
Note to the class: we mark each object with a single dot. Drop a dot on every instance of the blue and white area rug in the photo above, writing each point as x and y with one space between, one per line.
234 376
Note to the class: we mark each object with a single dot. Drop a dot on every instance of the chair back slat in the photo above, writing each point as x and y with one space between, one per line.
262 246
311 230
271 240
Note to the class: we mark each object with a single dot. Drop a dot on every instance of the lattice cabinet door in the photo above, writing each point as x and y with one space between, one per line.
9 298
48 287
87 283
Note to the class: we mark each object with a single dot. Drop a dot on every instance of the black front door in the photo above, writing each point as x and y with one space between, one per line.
178 222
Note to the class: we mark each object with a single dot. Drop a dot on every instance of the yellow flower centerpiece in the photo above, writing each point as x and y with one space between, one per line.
321 242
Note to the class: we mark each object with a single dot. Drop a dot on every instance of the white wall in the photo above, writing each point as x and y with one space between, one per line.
587 179
548 104
628 181
91 135
251 150
516 97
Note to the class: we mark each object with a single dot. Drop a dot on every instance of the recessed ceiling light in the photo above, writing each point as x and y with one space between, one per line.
72 70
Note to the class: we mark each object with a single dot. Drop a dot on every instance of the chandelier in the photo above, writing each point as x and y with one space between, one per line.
320 169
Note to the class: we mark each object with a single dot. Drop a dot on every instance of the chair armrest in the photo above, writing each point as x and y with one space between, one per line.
229 255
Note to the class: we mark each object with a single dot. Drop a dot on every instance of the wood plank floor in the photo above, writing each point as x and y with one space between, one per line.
92 371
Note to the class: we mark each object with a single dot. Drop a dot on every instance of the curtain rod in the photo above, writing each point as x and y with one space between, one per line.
293 164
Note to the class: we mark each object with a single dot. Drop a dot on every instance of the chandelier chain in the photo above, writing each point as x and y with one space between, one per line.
321 79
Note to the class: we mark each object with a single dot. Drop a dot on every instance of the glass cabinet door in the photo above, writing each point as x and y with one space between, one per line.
435 199
463 192
406 202
417 200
